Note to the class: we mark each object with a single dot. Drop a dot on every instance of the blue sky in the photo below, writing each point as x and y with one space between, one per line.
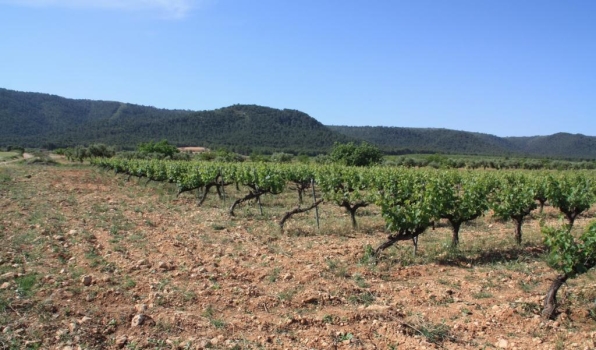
506 67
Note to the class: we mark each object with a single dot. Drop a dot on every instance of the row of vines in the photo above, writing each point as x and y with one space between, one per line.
410 200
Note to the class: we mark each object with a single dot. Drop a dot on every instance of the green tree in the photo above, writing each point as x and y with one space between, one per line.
101 150
161 147
352 155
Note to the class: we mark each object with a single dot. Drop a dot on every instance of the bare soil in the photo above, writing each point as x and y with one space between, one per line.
193 149
92 261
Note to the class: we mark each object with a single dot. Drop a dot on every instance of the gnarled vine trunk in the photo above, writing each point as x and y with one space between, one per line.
455 226
550 301
519 220
352 210
297 210
401 236
571 215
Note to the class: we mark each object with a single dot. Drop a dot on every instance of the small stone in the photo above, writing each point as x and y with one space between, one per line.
87 280
142 319
8 275
84 320
73 232
204 344
141 308
502 343
379 308
162 265
5 285
121 341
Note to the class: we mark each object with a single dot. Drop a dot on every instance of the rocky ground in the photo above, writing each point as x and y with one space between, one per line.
91 261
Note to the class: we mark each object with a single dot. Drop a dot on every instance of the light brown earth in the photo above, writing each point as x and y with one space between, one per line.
25 156
193 149
91 261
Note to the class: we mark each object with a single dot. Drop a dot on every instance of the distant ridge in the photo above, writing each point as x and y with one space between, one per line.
48 121
428 140
425 140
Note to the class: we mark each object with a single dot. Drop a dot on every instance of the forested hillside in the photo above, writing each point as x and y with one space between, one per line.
408 140
48 121
42 120
557 145
398 140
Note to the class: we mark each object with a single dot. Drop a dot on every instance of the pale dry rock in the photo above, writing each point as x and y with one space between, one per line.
141 308
142 319
502 344
8 275
121 341
85 319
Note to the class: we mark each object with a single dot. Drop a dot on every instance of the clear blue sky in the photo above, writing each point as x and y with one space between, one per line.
504 67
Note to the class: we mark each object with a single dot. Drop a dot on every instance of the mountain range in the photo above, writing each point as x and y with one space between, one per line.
47 121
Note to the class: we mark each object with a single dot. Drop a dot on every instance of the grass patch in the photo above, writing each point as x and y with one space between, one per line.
360 281
25 284
274 276
209 313
364 298
4 156
287 295
339 270
482 295
217 323
434 333
129 283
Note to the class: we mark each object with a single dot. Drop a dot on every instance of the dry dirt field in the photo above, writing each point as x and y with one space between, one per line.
91 261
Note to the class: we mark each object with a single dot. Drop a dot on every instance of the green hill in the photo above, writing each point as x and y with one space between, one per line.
415 140
398 140
42 120
562 145
48 121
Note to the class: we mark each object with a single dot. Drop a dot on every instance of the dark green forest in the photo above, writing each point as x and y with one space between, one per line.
48 121
38 120
396 140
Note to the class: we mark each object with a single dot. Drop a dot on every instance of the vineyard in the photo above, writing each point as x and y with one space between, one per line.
411 200
240 255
